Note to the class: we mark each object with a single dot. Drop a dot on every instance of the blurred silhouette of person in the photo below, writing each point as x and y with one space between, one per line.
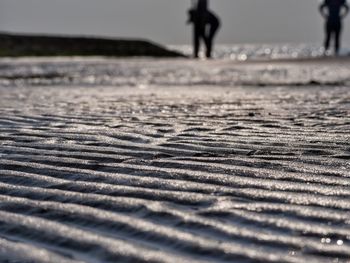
333 11
206 24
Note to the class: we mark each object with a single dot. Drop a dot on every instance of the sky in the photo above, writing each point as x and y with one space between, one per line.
163 21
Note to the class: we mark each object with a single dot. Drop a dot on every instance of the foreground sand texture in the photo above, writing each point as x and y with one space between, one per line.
174 174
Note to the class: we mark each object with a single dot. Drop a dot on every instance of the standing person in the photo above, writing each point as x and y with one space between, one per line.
206 24
333 11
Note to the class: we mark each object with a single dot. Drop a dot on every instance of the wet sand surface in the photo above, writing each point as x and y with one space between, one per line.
174 174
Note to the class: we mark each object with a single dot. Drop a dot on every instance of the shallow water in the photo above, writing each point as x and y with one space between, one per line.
243 52
151 165
144 73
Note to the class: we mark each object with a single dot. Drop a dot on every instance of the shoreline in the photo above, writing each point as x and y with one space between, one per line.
303 60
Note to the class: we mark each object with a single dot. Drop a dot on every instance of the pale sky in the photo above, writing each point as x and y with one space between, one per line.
244 21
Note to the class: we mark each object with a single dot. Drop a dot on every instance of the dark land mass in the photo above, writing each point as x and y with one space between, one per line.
16 45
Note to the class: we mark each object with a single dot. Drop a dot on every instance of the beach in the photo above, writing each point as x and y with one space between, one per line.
174 160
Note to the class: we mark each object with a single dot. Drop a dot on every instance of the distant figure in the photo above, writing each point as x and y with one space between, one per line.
333 11
206 24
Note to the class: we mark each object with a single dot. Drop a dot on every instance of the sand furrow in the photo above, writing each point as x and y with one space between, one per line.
11 251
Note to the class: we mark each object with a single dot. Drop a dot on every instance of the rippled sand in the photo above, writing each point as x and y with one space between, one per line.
174 173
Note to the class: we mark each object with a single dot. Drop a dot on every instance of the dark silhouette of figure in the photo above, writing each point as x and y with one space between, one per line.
206 24
333 11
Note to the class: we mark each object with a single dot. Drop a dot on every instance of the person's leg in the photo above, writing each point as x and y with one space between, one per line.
328 32
196 41
337 36
209 42
213 28
199 37
209 45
